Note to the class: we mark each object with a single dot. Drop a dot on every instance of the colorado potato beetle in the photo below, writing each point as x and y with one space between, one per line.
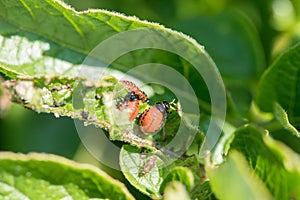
154 117
133 88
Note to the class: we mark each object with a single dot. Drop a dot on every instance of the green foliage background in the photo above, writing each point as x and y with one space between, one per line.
243 37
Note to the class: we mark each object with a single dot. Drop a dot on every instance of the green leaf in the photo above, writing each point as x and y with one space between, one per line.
176 190
182 175
141 170
152 172
44 176
234 180
275 163
290 162
222 146
286 137
281 84
283 119
65 44
190 173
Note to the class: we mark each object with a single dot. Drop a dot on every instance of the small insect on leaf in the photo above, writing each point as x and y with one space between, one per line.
149 165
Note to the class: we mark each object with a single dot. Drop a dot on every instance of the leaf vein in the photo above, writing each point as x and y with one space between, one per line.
27 8
112 26
76 28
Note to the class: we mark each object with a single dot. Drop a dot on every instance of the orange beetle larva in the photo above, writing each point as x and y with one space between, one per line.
131 103
154 117
133 88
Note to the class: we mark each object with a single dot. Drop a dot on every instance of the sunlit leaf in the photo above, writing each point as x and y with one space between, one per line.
234 180
45 176
275 163
182 175
141 170
176 190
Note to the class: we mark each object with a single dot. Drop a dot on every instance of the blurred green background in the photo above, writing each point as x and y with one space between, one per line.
242 37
